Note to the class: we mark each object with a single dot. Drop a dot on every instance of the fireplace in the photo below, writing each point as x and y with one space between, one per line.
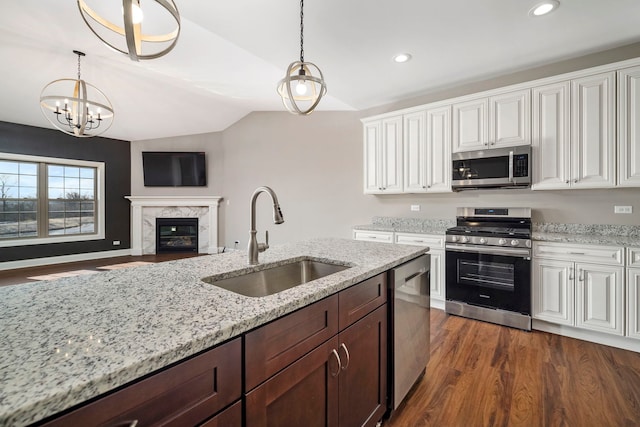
176 235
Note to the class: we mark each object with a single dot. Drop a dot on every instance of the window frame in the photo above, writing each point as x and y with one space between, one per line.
99 200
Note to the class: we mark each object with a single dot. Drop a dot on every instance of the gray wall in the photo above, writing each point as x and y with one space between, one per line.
315 166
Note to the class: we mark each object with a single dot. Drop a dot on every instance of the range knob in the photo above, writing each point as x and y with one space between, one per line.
454 238
502 242
483 241
515 242
464 239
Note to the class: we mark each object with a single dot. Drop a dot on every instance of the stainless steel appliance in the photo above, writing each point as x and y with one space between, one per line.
410 325
488 266
494 168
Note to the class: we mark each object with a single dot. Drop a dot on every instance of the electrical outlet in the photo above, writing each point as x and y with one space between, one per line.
116 243
415 208
623 209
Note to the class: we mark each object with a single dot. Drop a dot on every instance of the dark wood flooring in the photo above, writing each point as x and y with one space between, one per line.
482 374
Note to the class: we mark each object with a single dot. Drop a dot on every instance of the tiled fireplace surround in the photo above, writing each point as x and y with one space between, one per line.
145 210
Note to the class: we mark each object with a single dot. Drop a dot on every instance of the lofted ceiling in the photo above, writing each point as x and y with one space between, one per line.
231 54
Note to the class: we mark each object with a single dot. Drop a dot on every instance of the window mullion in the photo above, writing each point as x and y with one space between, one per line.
43 201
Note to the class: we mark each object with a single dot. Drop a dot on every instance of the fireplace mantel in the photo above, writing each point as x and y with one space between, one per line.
144 210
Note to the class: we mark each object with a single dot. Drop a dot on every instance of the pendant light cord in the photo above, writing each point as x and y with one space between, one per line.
301 30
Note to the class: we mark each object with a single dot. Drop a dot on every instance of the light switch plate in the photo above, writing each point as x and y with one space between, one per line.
415 208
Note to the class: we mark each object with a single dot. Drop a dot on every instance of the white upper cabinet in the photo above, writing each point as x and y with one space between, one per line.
470 125
502 120
510 116
427 163
628 122
573 134
551 143
383 156
593 131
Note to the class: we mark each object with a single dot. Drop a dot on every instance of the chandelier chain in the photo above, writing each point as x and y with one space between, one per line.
301 30
79 66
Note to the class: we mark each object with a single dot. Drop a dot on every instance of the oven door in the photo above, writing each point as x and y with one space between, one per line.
487 277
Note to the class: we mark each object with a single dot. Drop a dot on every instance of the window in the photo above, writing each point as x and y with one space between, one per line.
47 200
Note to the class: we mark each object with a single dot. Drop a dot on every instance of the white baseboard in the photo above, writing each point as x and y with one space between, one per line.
437 303
36 262
625 343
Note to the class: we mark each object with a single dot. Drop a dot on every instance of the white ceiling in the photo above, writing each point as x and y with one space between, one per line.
231 54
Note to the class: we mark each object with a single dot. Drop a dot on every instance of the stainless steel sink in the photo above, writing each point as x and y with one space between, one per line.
276 279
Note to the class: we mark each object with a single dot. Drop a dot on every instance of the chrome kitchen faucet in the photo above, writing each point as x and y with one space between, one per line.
254 247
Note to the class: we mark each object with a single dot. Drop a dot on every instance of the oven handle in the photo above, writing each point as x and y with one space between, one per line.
525 253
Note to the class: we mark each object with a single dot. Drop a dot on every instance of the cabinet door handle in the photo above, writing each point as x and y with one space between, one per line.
571 274
566 182
337 356
581 276
575 253
346 352
575 181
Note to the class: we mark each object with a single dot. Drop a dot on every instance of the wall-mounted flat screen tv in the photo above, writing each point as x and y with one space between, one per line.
174 169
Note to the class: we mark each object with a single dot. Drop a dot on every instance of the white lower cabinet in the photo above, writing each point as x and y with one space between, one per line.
436 250
599 296
373 236
553 293
569 291
633 303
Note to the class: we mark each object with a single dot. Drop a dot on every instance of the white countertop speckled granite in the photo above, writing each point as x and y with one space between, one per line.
67 340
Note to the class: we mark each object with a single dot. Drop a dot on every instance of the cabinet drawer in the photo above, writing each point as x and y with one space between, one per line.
276 345
230 417
611 255
359 300
373 236
433 241
185 394
633 257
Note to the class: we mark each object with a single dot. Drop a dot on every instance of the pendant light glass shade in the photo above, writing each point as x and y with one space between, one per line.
76 107
125 27
303 86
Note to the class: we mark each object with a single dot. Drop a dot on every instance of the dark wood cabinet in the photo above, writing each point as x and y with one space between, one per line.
341 382
186 394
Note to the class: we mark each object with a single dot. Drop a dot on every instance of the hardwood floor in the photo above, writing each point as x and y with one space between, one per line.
482 374
22 275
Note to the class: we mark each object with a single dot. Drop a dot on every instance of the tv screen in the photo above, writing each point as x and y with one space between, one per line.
174 169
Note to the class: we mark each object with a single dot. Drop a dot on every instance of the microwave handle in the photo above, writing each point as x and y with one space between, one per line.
510 166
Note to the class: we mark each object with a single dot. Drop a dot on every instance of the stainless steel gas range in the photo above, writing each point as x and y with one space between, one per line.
488 266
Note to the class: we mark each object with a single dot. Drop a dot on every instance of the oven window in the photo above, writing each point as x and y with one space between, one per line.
488 274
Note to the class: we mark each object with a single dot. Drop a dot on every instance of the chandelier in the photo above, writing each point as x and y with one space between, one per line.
76 107
303 86
121 28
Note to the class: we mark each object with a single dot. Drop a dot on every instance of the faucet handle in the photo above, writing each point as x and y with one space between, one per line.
264 246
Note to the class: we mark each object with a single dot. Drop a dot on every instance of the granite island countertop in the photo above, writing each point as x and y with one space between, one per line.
68 340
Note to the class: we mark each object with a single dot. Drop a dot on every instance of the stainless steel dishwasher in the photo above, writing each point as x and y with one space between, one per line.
410 325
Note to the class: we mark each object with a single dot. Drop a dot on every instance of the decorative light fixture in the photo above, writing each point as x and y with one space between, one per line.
303 86
76 107
128 38
544 8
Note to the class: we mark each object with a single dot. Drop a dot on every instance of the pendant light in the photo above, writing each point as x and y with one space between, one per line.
303 86
76 107
121 27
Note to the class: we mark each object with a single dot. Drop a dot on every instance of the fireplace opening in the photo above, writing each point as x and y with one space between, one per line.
176 235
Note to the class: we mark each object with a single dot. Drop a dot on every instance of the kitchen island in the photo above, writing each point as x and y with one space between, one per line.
69 340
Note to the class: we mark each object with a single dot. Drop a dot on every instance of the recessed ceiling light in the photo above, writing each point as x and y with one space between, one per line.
544 7
402 57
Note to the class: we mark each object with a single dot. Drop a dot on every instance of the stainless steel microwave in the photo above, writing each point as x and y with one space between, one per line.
494 168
